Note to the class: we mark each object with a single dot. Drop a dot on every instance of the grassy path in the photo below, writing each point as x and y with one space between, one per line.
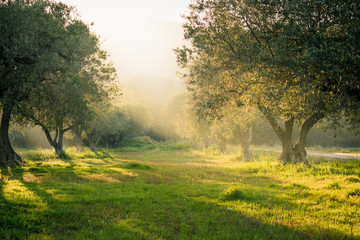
180 195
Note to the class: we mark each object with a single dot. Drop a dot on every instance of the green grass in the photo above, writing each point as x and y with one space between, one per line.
171 192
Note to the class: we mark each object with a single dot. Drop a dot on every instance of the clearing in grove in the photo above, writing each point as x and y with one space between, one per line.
169 191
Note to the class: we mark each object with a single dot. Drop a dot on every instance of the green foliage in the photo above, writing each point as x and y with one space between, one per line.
53 72
73 154
275 55
116 125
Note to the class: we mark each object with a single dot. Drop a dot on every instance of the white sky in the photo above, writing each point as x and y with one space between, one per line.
139 35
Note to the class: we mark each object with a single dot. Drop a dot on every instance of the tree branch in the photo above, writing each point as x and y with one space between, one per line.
48 136
306 127
273 122
63 56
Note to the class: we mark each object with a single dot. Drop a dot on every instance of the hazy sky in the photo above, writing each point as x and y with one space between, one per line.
139 35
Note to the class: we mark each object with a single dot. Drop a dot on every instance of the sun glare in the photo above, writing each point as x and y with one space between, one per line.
139 35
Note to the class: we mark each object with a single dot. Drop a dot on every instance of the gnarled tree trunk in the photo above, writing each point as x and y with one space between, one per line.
292 153
57 141
8 157
299 148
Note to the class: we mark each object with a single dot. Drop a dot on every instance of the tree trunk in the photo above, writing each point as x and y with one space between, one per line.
80 146
221 145
299 148
245 137
292 153
59 149
93 144
57 141
287 142
8 157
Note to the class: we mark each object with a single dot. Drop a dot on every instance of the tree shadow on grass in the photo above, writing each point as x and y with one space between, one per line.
16 217
66 199
82 209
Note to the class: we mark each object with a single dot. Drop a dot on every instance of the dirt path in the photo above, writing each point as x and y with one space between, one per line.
336 155
321 154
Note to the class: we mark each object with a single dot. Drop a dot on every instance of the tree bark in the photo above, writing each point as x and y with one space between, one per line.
287 142
299 150
292 153
8 157
57 141
245 137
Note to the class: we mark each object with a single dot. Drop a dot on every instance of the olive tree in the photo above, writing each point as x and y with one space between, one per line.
27 40
72 98
45 74
297 61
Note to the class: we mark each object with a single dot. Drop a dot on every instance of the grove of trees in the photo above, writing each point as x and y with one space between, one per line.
293 63
52 71
296 61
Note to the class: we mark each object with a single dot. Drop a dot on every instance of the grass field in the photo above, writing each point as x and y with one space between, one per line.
173 192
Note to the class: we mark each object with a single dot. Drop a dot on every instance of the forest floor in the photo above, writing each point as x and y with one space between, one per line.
170 191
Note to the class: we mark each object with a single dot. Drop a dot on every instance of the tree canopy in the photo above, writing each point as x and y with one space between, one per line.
297 61
51 68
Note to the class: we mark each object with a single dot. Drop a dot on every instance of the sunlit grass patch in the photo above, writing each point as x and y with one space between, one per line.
110 178
74 153
353 179
71 153
38 154
355 193
180 195
335 185
17 192
29 177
